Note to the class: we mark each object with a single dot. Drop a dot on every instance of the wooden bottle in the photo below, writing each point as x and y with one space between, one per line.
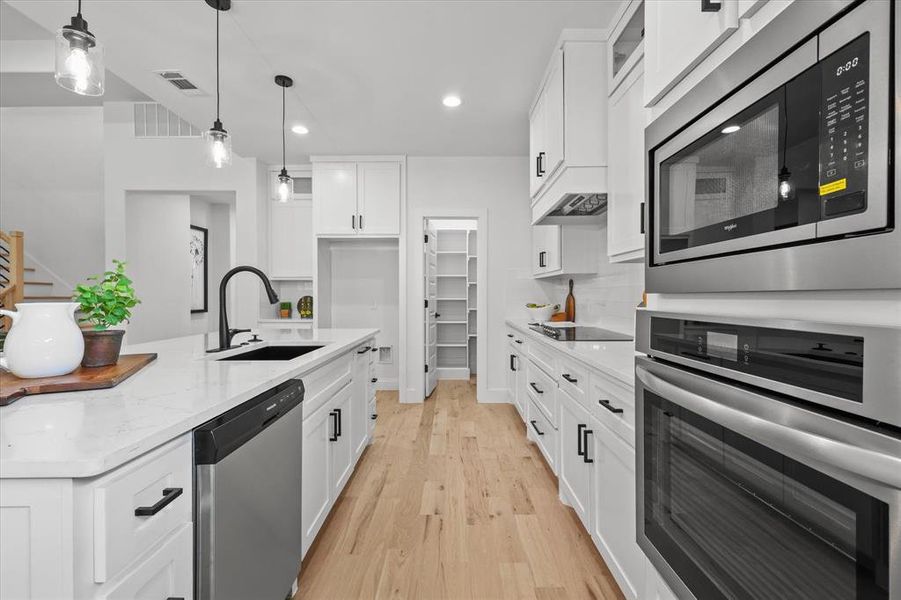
570 304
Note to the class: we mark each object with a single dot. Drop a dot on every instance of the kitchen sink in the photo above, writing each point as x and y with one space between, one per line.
272 353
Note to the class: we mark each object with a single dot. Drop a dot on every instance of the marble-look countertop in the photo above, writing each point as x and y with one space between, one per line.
83 434
616 359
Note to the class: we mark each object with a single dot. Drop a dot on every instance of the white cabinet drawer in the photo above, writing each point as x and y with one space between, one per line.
322 383
543 390
573 377
543 357
614 406
517 341
542 433
160 482
166 573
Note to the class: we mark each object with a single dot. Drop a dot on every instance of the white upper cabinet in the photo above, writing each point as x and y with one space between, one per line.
378 198
679 34
564 250
626 180
568 119
625 46
357 198
335 198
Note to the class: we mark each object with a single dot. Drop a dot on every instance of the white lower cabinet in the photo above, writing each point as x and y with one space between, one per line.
166 573
574 468
542 432
614 525
316 495
359 417
341 456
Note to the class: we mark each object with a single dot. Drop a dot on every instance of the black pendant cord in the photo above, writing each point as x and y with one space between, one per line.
79 8
785 137
217 64
283 128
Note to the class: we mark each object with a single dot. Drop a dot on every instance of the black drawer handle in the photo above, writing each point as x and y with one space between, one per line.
535 427
512 362
579 439
364 350
175 598
334 436
542 259
373 416
338 411
585 435
509 335
518 341
606 404
536 388
375 349
569 378
169 495
374 380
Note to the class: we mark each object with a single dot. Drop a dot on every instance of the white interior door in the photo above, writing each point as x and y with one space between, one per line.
430 289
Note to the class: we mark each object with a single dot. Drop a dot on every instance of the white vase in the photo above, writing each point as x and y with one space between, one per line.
44 341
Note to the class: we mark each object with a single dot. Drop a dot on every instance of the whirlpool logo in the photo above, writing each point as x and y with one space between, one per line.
730 227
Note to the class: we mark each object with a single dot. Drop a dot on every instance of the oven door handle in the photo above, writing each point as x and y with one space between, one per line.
864 462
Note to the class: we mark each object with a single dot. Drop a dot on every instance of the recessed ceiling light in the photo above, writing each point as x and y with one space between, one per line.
452 101
300 130
731 128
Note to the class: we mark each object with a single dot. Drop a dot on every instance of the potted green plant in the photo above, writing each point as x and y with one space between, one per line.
284 310
103 305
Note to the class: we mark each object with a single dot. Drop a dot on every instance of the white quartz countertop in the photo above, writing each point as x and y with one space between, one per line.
82 434
616 359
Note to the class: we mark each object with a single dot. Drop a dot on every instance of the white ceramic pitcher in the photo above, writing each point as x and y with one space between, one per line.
44 341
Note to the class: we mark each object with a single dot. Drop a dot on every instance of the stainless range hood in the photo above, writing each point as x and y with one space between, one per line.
576 196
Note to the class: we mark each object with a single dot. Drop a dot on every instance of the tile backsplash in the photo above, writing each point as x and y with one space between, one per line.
607 299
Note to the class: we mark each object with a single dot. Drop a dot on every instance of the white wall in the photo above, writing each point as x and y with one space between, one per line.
216 218
498 185
364 293
166 164
158 264
51 186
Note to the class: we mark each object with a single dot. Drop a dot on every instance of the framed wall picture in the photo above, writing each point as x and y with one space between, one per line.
198 248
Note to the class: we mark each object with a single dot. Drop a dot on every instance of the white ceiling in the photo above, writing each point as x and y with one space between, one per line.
369 75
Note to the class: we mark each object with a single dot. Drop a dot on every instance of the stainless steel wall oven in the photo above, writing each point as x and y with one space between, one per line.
769 457
786 180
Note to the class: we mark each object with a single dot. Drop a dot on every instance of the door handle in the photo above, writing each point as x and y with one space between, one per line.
169 496
579 438
535 427
585 435
641 217
334 437
569 378
536 388
606 404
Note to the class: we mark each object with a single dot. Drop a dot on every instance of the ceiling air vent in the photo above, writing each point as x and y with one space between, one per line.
180 82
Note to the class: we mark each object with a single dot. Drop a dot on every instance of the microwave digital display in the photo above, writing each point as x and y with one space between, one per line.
843 129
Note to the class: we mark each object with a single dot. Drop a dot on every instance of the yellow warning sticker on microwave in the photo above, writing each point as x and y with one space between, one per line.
833 186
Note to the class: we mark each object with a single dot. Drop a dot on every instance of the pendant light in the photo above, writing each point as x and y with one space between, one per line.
285 181
217 140
786 189
79 58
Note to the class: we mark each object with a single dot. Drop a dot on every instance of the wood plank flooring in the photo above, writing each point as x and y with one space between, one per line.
452 501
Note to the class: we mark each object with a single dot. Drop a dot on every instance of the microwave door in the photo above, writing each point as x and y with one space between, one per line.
718 184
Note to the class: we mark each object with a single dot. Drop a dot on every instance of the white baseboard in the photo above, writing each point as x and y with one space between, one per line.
495 396
386 384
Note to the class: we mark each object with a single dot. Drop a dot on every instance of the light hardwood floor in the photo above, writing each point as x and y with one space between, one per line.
452 501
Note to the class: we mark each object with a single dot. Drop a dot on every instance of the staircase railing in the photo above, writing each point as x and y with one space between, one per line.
12 272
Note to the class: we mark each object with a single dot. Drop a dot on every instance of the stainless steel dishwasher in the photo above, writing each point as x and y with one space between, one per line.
248 532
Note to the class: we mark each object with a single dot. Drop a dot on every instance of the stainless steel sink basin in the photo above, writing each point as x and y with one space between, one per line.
272 353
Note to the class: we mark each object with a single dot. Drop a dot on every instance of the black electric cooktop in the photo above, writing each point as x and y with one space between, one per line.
579 333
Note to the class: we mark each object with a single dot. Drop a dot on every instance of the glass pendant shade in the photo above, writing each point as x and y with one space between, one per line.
79 60
786 190
219 146
285 186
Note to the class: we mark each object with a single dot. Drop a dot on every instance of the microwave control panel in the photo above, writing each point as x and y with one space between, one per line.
843 129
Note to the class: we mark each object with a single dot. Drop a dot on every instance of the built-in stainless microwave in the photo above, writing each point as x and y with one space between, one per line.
776 172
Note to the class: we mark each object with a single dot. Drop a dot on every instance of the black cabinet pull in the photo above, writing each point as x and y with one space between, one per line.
334 436
538 166
585 435
375 349
641 208
518 341
542 259
374 380
535 387
579 450
340 419
606 404
509 335
541 156
711 5
175 598
361 222
569 378
535 427
373 416
169 495
364 350
353 222
512 364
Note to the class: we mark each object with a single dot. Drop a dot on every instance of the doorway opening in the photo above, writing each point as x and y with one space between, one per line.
451 309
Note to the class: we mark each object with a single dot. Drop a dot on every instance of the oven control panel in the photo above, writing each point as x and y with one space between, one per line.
843 129
822 362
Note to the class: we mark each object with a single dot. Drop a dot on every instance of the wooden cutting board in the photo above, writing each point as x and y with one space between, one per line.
12 388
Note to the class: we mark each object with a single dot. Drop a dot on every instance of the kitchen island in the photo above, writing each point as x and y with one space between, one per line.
75 466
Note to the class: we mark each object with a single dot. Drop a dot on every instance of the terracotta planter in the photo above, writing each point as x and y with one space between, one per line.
101 348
